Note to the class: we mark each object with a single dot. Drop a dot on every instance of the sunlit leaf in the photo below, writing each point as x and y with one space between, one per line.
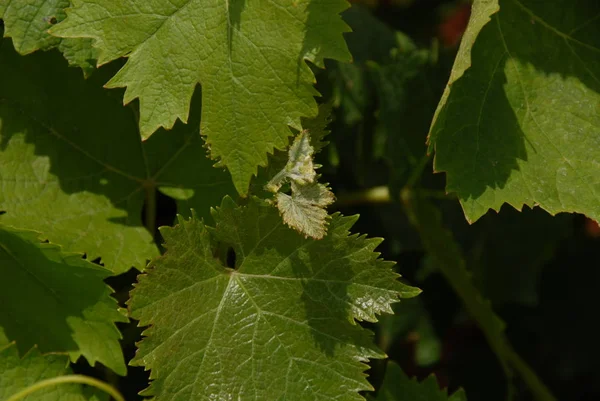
278 320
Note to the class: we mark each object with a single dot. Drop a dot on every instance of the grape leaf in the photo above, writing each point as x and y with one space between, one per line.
73 167
17 374
27 24
248 56
398 387
519 121
280 320
299 167
304 210
79 53
67 307
317 127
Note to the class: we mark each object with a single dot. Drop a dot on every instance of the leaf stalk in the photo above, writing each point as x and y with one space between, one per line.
67 379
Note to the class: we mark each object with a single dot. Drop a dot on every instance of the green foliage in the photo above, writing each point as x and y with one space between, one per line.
398 387
64 175
284 314
17 374
269 296
27 22
519 120
68 307
248 56
303 210
510 249
446 253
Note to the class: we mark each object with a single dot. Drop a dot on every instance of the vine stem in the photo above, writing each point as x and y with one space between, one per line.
440 243
417 172
381 194
68 379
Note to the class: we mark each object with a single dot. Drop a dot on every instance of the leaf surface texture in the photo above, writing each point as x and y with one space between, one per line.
519 121
27 23
249 57
17 374
280 324
73 166
67 307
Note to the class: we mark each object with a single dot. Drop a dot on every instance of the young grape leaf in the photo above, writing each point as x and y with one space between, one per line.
73 166
27 24
317 127
63 303
398 387
299 167
17 374
279 320
248 56
519 121
303 210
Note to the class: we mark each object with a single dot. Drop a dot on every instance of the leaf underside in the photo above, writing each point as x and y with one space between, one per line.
521 125
249 57
279 321
67 307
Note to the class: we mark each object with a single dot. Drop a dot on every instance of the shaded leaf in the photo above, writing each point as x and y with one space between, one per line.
446 253
73 167
63 304
398 387
17 374
510 249
519 122
318 127
248 56
412 322
370 39
281 322
407 87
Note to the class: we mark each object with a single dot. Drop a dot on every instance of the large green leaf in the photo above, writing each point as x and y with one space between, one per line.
249 57
519 122
280 320
398 387
27 23
17 374
57 301
73 167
